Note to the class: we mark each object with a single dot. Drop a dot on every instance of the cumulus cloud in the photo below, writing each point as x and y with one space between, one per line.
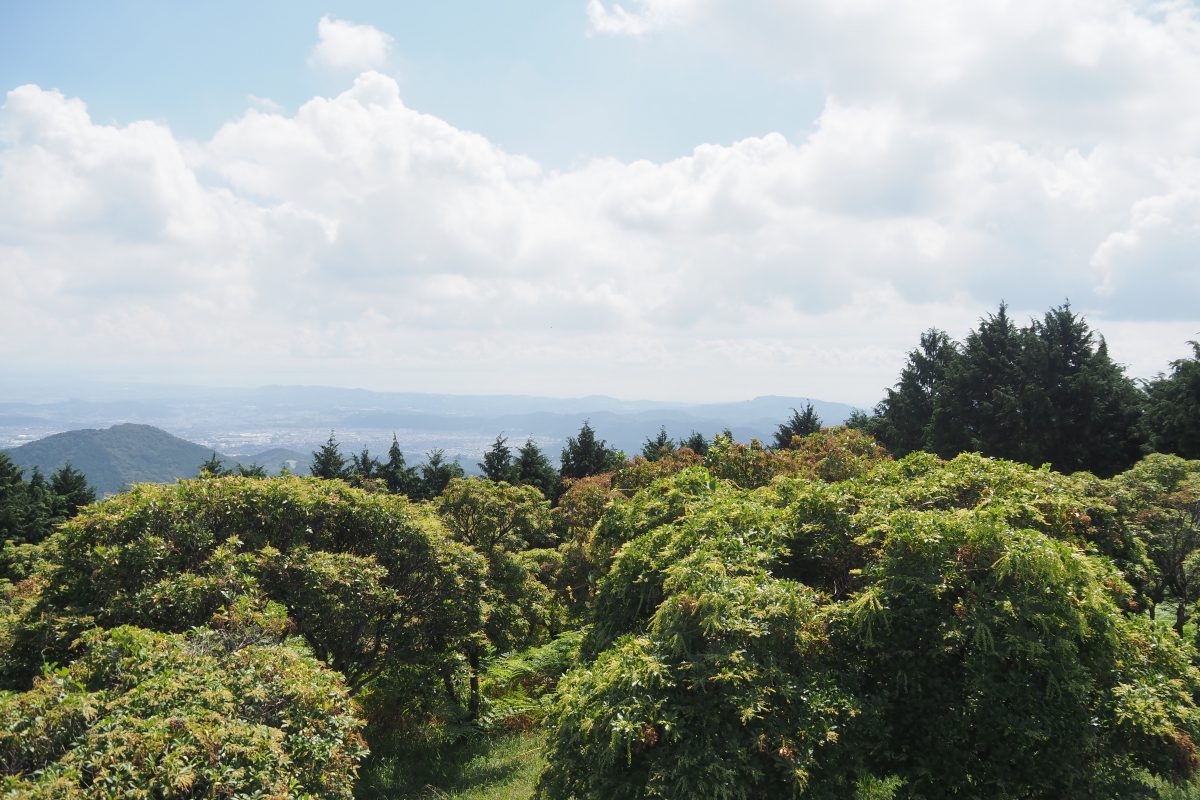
358 239
344 45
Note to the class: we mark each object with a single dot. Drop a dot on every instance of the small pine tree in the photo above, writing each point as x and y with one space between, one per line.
328 462
497 464
586 455
71 489
400 478
437 472
696 443
659 446
800 424
213 467
363 467
534 469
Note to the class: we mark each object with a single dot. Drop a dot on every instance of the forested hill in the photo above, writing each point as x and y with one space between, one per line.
113 458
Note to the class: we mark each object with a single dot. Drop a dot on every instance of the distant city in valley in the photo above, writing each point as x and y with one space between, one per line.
279 426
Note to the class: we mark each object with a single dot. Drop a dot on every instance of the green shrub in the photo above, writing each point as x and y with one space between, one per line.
235 712
927 629
366 578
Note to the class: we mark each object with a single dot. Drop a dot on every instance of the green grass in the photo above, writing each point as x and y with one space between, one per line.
478 767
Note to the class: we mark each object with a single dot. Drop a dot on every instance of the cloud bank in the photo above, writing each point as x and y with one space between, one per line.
1018 152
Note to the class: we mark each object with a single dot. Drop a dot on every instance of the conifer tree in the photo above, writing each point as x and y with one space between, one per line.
437 472
214 467
1173 408
799 424
400 478
658 446
586 455
902 418
71 489
696 443
497 464
328 462
534 469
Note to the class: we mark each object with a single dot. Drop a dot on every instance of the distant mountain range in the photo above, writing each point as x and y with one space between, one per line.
275 425
116 457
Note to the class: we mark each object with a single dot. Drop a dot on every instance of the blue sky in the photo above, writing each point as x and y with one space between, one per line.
675 199
526 74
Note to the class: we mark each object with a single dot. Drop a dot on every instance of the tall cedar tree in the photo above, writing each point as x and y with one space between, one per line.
799 424
497 464
534 469
586 455
328 462
400 478
659 446
903 417
1045 393
1173 408
71 489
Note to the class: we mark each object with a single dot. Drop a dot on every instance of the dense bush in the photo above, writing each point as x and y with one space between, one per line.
928 629
366 578
235 712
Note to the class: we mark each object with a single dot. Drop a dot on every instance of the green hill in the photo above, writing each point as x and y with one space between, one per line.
113 458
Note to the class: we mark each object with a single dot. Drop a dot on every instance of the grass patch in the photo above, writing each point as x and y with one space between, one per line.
476 767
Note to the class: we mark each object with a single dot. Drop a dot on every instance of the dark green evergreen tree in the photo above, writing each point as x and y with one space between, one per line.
328 462
586 455
1172 421
363 467
801 423
1079 410
71 490
214 467
251 471
400 478
15 511
534 469
437 472
497 464
902 419
978 406
658 446
696 443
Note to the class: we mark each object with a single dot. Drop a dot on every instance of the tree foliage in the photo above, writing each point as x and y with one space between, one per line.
1161 496
498 464
1173 408
927 629
586 455
237 711
801 423
534 469
658 446
1047 393
328 461
366 578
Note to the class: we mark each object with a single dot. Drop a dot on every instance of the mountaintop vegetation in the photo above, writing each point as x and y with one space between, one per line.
982 589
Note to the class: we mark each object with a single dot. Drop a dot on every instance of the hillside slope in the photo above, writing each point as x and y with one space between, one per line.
113 458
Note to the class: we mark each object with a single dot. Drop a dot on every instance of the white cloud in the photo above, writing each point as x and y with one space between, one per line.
646 16
344 45
360 240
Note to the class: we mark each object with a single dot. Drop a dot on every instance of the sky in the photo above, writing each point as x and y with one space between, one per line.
661 199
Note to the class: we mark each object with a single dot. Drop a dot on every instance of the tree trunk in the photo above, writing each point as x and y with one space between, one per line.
448 685
1180 616
473 659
